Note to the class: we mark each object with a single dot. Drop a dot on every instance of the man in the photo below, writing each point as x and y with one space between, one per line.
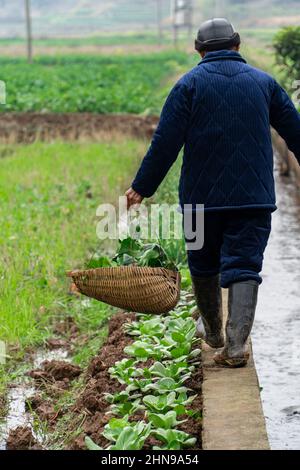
221 113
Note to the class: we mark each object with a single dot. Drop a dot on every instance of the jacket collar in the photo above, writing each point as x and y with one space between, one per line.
222 55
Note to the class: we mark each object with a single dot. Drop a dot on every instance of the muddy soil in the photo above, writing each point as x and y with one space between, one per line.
27 127
21 438
93 404
53 377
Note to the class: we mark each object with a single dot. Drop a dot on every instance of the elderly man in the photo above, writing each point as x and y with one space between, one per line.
221 112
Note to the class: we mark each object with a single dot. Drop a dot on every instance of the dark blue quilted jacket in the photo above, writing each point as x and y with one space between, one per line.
221 113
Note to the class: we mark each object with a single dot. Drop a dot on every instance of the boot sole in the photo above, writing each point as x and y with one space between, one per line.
231 363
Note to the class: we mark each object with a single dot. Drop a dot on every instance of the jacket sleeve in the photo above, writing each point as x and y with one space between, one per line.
167 141
285 119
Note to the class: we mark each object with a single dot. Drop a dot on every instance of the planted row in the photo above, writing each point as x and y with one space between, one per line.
154 372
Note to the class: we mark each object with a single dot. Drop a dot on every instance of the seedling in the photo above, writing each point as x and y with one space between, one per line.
120 397
172 370
131 437
114 428
124 371
164 421
166 385
173 439
128 408
164 403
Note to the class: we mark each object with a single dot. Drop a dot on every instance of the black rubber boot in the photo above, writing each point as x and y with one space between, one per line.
208 296
242 303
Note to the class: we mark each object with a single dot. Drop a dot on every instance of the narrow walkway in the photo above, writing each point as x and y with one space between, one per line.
232 412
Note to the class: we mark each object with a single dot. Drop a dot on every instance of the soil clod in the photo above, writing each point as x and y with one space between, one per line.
21 438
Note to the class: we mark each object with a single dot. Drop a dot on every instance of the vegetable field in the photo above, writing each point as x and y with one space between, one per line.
142 389
132 84
87 375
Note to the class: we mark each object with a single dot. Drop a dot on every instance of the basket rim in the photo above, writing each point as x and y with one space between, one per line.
79 272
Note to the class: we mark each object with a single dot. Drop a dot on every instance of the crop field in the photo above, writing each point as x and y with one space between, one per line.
88 375
132 84
50 194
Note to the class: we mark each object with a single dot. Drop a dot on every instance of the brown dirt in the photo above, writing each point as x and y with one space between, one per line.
66 327
60 370
93 405
28 127
21 438
20 50
54 377
43 408
56 343
98 381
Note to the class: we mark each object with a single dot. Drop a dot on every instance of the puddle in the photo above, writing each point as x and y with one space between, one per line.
18 393
276 333
42 355
16 416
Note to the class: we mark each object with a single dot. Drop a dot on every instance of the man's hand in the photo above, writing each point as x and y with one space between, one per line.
133 198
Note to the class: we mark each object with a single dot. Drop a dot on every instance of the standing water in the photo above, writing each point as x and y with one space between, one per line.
276 333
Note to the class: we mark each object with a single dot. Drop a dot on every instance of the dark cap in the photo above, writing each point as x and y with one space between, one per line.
216 34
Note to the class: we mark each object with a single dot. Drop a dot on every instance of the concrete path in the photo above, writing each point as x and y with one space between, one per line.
232 412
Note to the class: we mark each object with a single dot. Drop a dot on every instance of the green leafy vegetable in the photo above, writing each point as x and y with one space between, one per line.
124 370
173 439
91 444
133 251
164 421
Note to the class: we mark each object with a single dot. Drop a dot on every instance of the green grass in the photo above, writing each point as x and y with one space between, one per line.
48 227
101 84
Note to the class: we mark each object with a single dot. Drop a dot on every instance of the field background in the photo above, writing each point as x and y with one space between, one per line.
97 58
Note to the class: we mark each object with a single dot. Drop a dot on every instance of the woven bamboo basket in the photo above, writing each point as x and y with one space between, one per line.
133 288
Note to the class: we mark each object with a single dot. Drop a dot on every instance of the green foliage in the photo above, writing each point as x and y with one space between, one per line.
173 439
135 252
164 421
144 350
127 408
127 436
91 445
175 371
47 227
97 84
124 370
287 47
157 389
170 401
166 385
114 428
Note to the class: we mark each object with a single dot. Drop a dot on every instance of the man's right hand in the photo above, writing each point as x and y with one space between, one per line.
133 198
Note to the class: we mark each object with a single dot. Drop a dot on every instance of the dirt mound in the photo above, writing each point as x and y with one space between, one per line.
60 370
54 377
27 127
43 408
21 438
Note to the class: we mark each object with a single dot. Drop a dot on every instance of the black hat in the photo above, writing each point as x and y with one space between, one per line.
216 34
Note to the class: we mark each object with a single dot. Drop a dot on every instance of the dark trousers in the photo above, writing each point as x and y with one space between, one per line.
234 245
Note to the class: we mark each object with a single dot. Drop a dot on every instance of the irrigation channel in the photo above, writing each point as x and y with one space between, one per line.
276 334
